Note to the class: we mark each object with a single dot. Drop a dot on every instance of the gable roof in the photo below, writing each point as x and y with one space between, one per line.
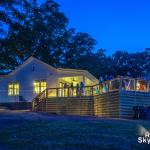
27 62
59 70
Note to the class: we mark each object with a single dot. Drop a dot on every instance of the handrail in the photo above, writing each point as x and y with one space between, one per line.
37 99
105 84
103 87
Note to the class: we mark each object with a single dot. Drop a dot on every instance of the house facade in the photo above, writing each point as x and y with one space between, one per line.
38 86
34 76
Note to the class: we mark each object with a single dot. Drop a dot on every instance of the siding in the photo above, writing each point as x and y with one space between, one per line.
107 105
25 77
68 106
17 105
129 99
115 104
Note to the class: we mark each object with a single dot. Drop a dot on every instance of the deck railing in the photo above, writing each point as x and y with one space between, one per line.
122 84
125 84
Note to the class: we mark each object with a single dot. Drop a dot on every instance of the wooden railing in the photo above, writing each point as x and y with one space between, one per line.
85 91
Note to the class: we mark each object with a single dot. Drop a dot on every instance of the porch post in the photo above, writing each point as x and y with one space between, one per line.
84 80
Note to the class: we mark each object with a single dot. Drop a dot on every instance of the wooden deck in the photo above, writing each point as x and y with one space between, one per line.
107 105
129 99
115 103
68 106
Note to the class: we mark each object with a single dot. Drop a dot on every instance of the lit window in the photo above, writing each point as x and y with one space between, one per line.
13 89
39 86
36 87
43 85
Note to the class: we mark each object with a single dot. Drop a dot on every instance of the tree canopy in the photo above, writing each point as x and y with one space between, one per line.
29 29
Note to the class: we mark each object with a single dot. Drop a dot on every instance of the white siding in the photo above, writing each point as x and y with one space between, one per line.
25 77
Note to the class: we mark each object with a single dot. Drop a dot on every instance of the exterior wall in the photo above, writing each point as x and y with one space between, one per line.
68 106
115 104
33 69
103 105
129 99
25 77
119 104
4 90
107 105
17 105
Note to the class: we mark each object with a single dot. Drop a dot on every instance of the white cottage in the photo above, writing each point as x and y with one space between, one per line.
34 76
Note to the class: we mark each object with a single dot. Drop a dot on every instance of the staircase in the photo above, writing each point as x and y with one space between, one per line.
38 103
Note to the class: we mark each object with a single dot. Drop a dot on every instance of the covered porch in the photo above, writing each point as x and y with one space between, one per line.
74 85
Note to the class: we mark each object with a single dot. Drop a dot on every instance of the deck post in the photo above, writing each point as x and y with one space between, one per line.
135 82
92 91
57 92
46 93
68 92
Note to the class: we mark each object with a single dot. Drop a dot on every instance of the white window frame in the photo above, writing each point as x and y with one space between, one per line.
40 88
13 89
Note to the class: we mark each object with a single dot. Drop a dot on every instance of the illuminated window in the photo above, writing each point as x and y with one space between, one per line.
13 89
36 87
43 85
39 86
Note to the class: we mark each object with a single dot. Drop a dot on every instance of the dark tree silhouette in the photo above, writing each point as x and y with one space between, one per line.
27 28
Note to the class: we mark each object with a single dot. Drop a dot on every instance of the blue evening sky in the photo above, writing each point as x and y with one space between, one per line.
115 24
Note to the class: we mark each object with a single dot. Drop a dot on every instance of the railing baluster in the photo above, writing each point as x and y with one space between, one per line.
57 92
46 93
75 91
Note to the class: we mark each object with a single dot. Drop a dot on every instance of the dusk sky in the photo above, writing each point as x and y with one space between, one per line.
115 24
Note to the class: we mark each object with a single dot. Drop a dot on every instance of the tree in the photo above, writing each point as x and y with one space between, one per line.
146 65
28 29
78 45
138 64
41 31
32 30
120 63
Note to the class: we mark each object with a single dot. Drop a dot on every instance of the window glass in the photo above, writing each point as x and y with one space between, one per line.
36 87
39 86
43 85
13 88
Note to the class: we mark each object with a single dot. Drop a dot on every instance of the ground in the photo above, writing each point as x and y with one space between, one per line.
24 130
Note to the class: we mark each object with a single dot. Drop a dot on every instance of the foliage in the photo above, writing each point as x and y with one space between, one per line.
133 64
28 29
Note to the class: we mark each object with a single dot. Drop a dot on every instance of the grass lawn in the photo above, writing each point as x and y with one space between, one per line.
32 131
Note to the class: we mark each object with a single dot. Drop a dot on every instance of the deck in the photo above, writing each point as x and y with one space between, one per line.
116 101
